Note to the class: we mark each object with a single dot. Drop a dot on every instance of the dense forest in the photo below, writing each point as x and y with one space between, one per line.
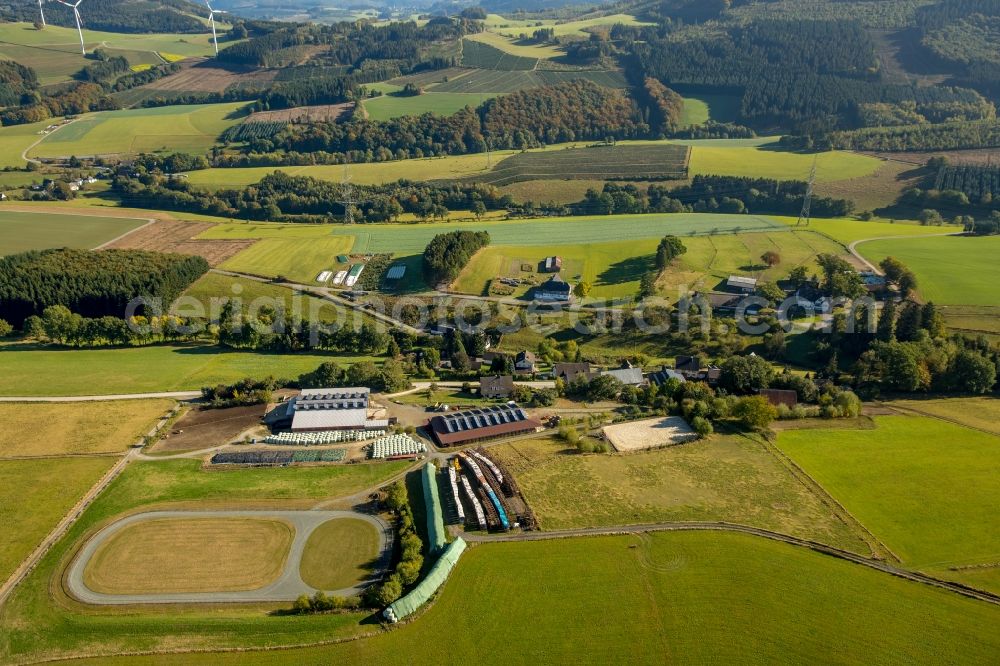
576 110
811 75
91 284
946 136
133 16
447 254
351 43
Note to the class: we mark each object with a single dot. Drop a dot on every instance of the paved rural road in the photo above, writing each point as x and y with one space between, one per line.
852 248
179 395
878 565
287 588
24 155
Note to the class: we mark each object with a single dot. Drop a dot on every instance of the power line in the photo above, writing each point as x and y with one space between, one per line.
807 202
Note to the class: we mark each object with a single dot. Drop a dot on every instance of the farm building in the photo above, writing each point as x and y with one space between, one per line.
477 425
555 289
353 274
741 283
496 387
723 302
570 371
687 364
779 397
525 362
627 376
317 410
662 376
396 272
552 264
873 281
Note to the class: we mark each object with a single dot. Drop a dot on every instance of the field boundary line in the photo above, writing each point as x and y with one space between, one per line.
127 233
842 513
76 511
938 417
832 551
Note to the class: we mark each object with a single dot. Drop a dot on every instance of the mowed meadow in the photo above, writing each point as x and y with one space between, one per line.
185 129
23 231
626 591
925 487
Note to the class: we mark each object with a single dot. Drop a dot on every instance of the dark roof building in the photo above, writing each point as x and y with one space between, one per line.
554 289
553 264
664 375
687 364
570 371
477 425
496 387
627 376
524 362
780 397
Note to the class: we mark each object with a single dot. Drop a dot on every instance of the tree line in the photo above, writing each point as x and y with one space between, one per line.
709 194
91 283
447 254
129 16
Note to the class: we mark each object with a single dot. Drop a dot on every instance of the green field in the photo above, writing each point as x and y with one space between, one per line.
614 268
926 488
20 232
656 162
481 55
35 495
663 598
54 53
495 81
511 46
339 554
387 107
699 109
34 623
847 231
515 27
950 270
189 129
409 239
710 260
33 371
979 413
733 479
15 140
732 157
299 260
766 162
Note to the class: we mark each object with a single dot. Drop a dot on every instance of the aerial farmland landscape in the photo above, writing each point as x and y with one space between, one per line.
513 332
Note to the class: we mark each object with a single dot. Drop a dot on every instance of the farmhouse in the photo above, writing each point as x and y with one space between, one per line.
524 362
552 264
570 371
477 425
496 387
665 374
627 376
317 410
555 289
741 283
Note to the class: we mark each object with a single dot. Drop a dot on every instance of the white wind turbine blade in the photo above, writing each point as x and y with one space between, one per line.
79 25
42 12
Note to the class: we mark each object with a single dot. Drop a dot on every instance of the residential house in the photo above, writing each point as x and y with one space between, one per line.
524 362
496 387
554 290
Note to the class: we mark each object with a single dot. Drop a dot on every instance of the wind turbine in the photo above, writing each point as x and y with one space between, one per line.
211 20
79 26
42 12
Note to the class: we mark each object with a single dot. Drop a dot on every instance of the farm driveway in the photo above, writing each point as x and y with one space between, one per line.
287 588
